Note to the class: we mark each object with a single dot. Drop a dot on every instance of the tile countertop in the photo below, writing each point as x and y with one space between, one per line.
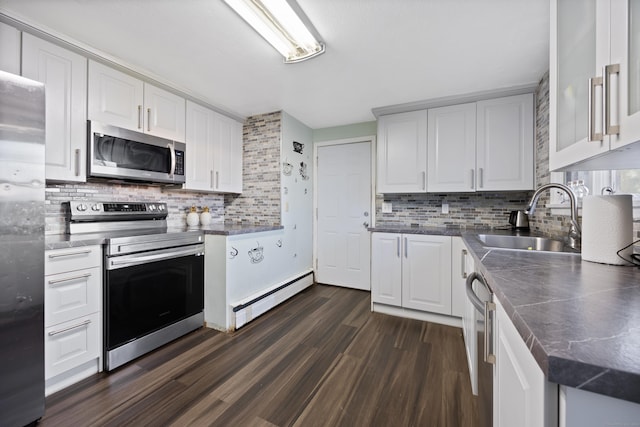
61 241
581 320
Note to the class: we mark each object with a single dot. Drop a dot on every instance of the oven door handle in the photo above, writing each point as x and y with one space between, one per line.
114 263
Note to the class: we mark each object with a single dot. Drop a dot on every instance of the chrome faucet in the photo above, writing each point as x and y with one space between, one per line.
575 232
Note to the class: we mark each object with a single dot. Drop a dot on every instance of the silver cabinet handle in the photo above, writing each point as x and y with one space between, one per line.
424 180
86 251
406 247
594 82
77 165
463 266
139 116
211 179
69 279
473 184
398 245
148 119
489 330
79 325
217 179
480 177
610 69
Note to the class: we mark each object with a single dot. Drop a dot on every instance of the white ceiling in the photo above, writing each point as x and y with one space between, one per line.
379 52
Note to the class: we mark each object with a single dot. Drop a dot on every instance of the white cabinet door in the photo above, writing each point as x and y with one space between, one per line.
71 295
426 273
461 266
227 155
164 113
386 269
521 394
115 98
69 345
505 144
9 49
452 148
64 74
579 44
402 153
199 161
459 279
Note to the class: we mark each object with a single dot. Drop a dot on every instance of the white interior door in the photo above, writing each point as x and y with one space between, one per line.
344 213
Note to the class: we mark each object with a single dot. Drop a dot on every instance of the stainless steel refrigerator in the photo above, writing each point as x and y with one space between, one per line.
22 182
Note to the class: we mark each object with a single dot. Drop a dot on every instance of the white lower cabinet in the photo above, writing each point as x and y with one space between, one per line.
73 315
412 271
522 396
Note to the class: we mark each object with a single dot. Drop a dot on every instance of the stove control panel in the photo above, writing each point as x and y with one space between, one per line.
114 211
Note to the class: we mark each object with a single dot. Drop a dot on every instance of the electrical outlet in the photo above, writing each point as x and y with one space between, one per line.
445 208
386 207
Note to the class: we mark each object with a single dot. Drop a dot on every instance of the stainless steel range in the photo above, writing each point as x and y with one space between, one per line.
153 276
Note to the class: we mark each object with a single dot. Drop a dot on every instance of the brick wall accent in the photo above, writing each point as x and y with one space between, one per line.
259 202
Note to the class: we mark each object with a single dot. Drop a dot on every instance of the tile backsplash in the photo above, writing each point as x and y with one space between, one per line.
178 201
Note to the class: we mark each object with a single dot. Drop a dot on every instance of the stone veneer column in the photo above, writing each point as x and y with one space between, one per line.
259 202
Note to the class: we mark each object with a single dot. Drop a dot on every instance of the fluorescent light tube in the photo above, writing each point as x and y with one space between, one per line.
283 25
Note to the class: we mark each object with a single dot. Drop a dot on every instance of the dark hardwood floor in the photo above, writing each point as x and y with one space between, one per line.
320 359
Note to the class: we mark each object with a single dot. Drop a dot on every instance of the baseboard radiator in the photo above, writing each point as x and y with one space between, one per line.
255 305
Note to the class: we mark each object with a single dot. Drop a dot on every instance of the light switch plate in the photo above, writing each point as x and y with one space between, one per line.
386 207
445 208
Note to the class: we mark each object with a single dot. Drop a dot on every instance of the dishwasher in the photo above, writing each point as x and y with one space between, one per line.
481 298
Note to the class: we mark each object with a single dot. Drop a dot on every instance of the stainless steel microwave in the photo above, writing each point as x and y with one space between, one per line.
126 155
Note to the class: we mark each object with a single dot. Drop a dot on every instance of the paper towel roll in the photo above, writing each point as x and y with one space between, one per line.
607 227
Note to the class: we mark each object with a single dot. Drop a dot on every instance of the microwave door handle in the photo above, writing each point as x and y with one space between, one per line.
173 158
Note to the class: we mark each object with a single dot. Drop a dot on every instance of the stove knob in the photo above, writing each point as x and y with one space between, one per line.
82 207
95 207
152 207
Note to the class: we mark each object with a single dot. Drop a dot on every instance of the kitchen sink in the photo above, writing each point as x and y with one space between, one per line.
524 243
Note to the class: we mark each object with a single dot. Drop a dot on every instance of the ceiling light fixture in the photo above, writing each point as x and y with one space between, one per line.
283 24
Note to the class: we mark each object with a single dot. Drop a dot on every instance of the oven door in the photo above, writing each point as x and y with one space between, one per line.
127 155
148 291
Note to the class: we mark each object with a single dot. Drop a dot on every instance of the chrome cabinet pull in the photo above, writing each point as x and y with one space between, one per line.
398 245
77 165
86 251
149 119
217 179
463 266
79 325
211 179
69 279
139 116
424 180
406 247
489 320
480 178
473 184
610 69
594 82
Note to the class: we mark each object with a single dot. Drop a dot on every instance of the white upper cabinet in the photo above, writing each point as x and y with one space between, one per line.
64 74
402 153
214 154
594 85
482 146
452 148
118 99
9 49
504 144
227 155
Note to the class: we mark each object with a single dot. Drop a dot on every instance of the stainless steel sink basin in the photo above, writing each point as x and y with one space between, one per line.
524 243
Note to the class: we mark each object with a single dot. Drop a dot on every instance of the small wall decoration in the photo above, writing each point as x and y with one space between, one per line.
279 243
287 168
233 253
303 171
298 147
256 254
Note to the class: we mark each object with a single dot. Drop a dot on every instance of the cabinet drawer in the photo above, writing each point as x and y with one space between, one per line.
71 344
71 295
64 260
